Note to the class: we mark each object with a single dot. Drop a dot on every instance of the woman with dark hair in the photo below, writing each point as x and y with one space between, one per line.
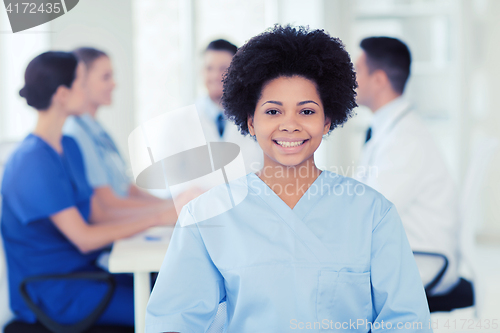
48 224
305 248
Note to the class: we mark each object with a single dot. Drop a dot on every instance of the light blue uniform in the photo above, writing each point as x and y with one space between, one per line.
339 260
103 163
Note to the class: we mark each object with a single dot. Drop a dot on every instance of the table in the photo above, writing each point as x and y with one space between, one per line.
140 254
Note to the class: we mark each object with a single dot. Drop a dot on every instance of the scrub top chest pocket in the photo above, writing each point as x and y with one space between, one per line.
344 297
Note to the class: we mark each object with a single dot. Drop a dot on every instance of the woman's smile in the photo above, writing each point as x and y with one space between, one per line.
291 145
289 121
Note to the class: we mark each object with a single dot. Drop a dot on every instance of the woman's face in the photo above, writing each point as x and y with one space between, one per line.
100 82
289 121
76 95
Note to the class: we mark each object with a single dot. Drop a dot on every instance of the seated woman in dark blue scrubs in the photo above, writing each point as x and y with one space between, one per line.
47 223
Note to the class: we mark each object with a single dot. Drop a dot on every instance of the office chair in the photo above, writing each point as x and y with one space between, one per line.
460 296
46 324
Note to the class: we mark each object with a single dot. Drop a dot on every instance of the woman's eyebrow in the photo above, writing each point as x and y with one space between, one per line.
298 104
306 102
274 102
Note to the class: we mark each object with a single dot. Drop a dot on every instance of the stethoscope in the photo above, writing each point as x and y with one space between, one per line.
107 145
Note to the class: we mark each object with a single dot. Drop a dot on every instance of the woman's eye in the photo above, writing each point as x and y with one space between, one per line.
307 112
272 112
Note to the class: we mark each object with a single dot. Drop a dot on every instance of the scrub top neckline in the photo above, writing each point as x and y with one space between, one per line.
60 154
301 208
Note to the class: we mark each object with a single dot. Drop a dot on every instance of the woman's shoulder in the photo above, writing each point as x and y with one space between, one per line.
218 199
32 158
354 192
31 150
335 180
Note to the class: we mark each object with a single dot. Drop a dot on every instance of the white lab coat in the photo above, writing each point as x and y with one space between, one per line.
402 162
251 151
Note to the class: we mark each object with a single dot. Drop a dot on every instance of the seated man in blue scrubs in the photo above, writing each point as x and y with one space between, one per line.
305 248
48 224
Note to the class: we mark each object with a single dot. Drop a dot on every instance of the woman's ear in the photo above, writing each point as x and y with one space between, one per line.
60 95
251 130
328 124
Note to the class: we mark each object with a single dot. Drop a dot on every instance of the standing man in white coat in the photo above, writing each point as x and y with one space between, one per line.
217 58
401 161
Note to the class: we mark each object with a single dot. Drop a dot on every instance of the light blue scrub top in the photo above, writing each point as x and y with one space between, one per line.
103 163
339 260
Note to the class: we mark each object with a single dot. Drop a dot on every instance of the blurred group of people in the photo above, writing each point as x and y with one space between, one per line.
66 194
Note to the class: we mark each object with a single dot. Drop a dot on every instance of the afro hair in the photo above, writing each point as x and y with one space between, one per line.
286 51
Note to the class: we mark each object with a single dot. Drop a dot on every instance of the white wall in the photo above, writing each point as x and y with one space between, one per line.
482 119
157 57
17 119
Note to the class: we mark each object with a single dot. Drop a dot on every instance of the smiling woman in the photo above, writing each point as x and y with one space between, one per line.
305 245
289 121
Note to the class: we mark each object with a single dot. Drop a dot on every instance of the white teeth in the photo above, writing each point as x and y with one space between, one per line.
288 144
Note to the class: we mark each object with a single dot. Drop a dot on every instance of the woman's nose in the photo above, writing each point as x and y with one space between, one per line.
290 124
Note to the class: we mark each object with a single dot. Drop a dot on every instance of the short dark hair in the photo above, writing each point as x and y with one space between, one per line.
391 56
285 51
88 55
222 45
45 74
